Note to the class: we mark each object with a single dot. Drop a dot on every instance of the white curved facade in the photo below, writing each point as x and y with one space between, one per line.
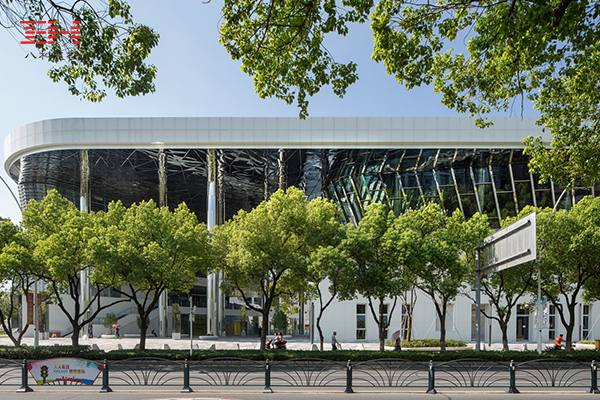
264 133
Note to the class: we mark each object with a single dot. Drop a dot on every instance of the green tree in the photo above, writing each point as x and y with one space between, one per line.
267 250
442 254
568 256
112 49
109 320
480 56
58 236
377 272
144 250
15 277
328 264
280 320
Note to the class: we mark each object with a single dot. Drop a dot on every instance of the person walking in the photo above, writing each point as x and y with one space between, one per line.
334 342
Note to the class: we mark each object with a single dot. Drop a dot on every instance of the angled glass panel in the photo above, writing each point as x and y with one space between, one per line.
392 186
469 204
507 204
445 159
524 195
427 160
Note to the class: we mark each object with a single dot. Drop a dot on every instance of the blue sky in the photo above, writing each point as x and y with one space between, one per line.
197 78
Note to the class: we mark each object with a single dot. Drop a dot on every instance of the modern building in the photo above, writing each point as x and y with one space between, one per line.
403 162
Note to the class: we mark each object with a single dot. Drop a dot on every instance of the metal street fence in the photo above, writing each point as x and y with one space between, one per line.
325 373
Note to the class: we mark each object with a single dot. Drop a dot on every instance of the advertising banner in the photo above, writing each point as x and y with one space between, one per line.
30 308
64 370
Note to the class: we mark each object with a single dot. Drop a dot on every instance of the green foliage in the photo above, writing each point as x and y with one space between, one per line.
43 352
428 343
112 49
280 320
342 356
57 241
15 276
281 45
267 250
377 255
480 56
441 253
109 320
148 250
569 260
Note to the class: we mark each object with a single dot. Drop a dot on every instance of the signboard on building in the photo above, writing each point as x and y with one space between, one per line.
64 370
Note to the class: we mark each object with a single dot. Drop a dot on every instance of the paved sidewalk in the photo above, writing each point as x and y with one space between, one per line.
232 343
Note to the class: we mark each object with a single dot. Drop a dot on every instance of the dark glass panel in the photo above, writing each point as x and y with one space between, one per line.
427 160
482 158
463 180
392 186
450 200
524 196
409 179
500 157
445 159
520 172
469 205
482 175
464 158
580 193
507 204
502 178
444 177
427 183
544 198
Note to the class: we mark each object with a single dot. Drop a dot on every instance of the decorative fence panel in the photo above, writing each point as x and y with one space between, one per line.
227 372
472 373
552 373
146 372
10 372
325 373
308 372
390 373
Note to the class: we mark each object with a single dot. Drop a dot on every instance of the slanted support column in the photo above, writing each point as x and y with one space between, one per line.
162 202
211 217
162 179
281 169
84 206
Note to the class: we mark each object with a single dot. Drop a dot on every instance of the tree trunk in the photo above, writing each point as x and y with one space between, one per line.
75 336
321 337
382 326
265 327
143 329
442 333
504 329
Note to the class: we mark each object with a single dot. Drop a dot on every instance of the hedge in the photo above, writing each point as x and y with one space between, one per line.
57 351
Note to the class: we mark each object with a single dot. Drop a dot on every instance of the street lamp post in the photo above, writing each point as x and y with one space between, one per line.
192 318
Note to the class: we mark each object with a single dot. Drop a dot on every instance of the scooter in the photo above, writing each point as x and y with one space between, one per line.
272 344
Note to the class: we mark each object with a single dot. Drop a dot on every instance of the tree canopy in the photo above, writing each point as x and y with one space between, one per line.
480 56
442 254
569 258
267 250
376 250
144 250
57 235
110 53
